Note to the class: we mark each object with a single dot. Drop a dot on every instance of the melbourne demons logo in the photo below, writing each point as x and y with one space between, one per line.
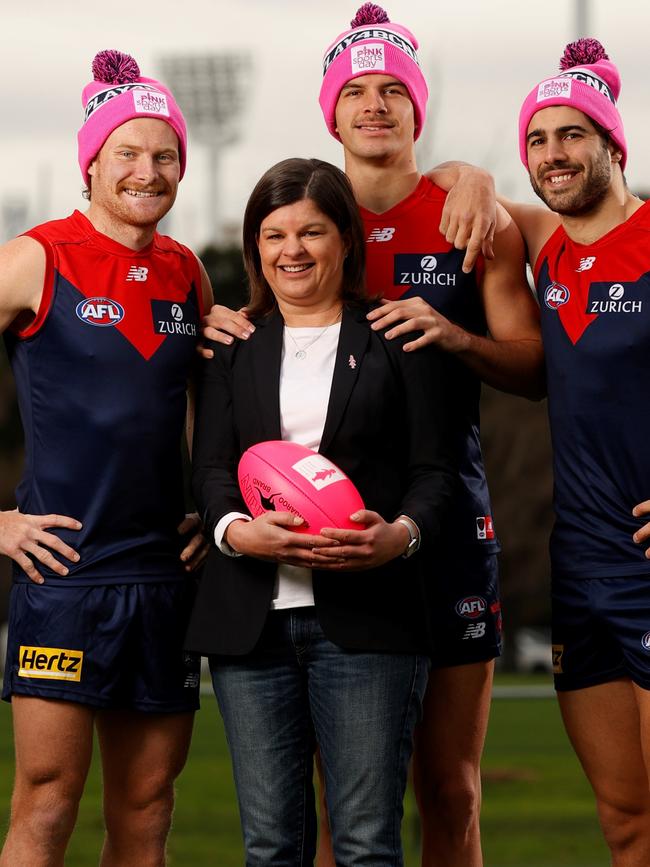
556 295
102 312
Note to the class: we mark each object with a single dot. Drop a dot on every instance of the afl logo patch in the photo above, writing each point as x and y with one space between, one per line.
556 295
100 311
645 641
471 607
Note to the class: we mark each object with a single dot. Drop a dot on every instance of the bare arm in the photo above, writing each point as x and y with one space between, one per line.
197 547
469 215
24 537
535 223
208 302
511 357
22 272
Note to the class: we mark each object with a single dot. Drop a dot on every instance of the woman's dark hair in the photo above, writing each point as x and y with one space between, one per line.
292 181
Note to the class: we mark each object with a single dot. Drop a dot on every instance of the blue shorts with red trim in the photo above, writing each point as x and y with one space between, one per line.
106 646
601 631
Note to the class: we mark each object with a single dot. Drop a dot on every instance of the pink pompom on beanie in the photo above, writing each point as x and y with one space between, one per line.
373 45
588 81
118 94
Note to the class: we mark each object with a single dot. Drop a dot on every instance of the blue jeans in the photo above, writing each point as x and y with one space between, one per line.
297 690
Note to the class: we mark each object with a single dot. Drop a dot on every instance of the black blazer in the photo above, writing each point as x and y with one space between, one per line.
387 428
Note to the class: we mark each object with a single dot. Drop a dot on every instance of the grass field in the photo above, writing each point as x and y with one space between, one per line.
538 811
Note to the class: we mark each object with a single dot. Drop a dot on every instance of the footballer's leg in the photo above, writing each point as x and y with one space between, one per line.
53 743
446 763
643 703
142 754
609 728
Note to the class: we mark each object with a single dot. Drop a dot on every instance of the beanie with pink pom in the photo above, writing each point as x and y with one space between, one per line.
588 81
118 94
374 45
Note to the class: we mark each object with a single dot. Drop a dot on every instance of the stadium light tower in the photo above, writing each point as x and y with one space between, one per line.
582 19
210 91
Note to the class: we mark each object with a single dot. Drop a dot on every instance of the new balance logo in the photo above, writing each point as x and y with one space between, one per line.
586 263
381 234
139 274
474 630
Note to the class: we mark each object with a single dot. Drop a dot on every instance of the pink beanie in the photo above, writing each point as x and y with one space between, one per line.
118 94
370 48
588 81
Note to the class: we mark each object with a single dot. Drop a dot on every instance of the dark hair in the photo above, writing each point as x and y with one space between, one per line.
292 181
607 140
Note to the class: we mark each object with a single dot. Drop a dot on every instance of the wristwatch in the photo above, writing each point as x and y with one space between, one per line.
414 536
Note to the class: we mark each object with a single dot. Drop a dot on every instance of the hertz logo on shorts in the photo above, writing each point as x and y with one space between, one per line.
52 663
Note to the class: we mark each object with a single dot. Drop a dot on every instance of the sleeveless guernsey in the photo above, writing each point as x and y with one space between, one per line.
101 375
408 257
595 306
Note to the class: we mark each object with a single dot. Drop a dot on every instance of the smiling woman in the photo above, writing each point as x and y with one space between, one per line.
302 254
294 227
302 653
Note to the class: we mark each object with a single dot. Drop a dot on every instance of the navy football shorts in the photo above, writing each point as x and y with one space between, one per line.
601 631
465 609
108 646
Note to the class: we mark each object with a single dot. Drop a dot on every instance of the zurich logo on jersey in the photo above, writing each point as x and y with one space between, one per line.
645 641
556 295
102 312
425 269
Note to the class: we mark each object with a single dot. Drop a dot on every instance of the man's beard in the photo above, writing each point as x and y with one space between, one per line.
587 196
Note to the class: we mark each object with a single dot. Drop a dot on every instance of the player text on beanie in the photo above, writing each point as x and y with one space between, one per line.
588 81
118 94
373 45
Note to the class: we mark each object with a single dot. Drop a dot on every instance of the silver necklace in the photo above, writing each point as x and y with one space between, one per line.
301 352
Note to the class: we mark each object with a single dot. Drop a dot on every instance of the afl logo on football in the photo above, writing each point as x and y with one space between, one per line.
556 295
471 607
645 642
100 311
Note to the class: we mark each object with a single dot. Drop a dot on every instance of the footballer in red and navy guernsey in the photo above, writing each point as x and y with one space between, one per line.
100 315
591 258
373 98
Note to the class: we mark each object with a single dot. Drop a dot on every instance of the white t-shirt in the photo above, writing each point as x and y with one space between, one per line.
305 385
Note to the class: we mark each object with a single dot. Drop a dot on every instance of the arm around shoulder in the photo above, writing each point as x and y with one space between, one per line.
469 214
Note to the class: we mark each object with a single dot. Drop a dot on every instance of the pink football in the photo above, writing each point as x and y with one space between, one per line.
287 477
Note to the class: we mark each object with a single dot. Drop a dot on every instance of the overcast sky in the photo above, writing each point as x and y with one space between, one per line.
481 58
